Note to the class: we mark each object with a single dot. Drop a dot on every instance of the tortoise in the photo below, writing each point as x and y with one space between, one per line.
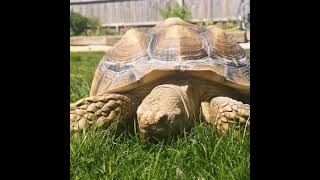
166 77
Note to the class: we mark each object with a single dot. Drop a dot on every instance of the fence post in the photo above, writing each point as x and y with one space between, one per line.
180 2
117 29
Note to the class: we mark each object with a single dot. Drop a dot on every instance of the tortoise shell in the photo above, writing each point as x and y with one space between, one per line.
172 46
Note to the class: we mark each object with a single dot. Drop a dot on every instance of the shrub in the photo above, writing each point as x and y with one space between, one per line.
105 31
93 24
80 25
176 11
227 24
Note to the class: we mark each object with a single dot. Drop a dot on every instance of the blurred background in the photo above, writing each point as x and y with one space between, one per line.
110 19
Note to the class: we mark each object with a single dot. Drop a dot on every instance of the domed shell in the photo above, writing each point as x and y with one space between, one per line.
170 47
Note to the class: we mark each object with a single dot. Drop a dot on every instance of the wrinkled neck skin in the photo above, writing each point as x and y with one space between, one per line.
196 91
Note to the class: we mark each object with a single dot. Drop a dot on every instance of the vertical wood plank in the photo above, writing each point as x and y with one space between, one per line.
142 11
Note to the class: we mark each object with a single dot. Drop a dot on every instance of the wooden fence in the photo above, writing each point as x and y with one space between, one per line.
116 13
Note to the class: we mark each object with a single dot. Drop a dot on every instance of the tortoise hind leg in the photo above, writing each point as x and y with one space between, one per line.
99 110
222 111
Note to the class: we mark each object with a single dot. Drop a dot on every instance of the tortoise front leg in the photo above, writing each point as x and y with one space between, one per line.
223 110
100 110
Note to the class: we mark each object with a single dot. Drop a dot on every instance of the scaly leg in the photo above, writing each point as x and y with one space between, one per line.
223 110
100 110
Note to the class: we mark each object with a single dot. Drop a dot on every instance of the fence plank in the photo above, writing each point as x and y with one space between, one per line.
111 12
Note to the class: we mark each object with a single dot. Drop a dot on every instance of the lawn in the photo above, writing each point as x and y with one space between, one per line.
106 154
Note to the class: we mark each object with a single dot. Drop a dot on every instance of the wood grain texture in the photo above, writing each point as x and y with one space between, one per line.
137 11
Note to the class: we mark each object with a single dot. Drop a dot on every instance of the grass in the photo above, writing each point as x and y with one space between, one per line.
82 67
247 51
108 154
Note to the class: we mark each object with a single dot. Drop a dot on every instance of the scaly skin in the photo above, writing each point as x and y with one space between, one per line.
170 108
164 108
99 110
222 111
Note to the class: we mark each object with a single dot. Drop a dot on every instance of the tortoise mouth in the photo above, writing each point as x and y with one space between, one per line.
163 130
155 131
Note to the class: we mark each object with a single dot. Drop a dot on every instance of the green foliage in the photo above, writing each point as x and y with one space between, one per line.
93 24
248 25
198 154
81 25
106 31
78 23
228 25
176 11
82 67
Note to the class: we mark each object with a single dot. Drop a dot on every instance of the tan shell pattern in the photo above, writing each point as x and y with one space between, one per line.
171 45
